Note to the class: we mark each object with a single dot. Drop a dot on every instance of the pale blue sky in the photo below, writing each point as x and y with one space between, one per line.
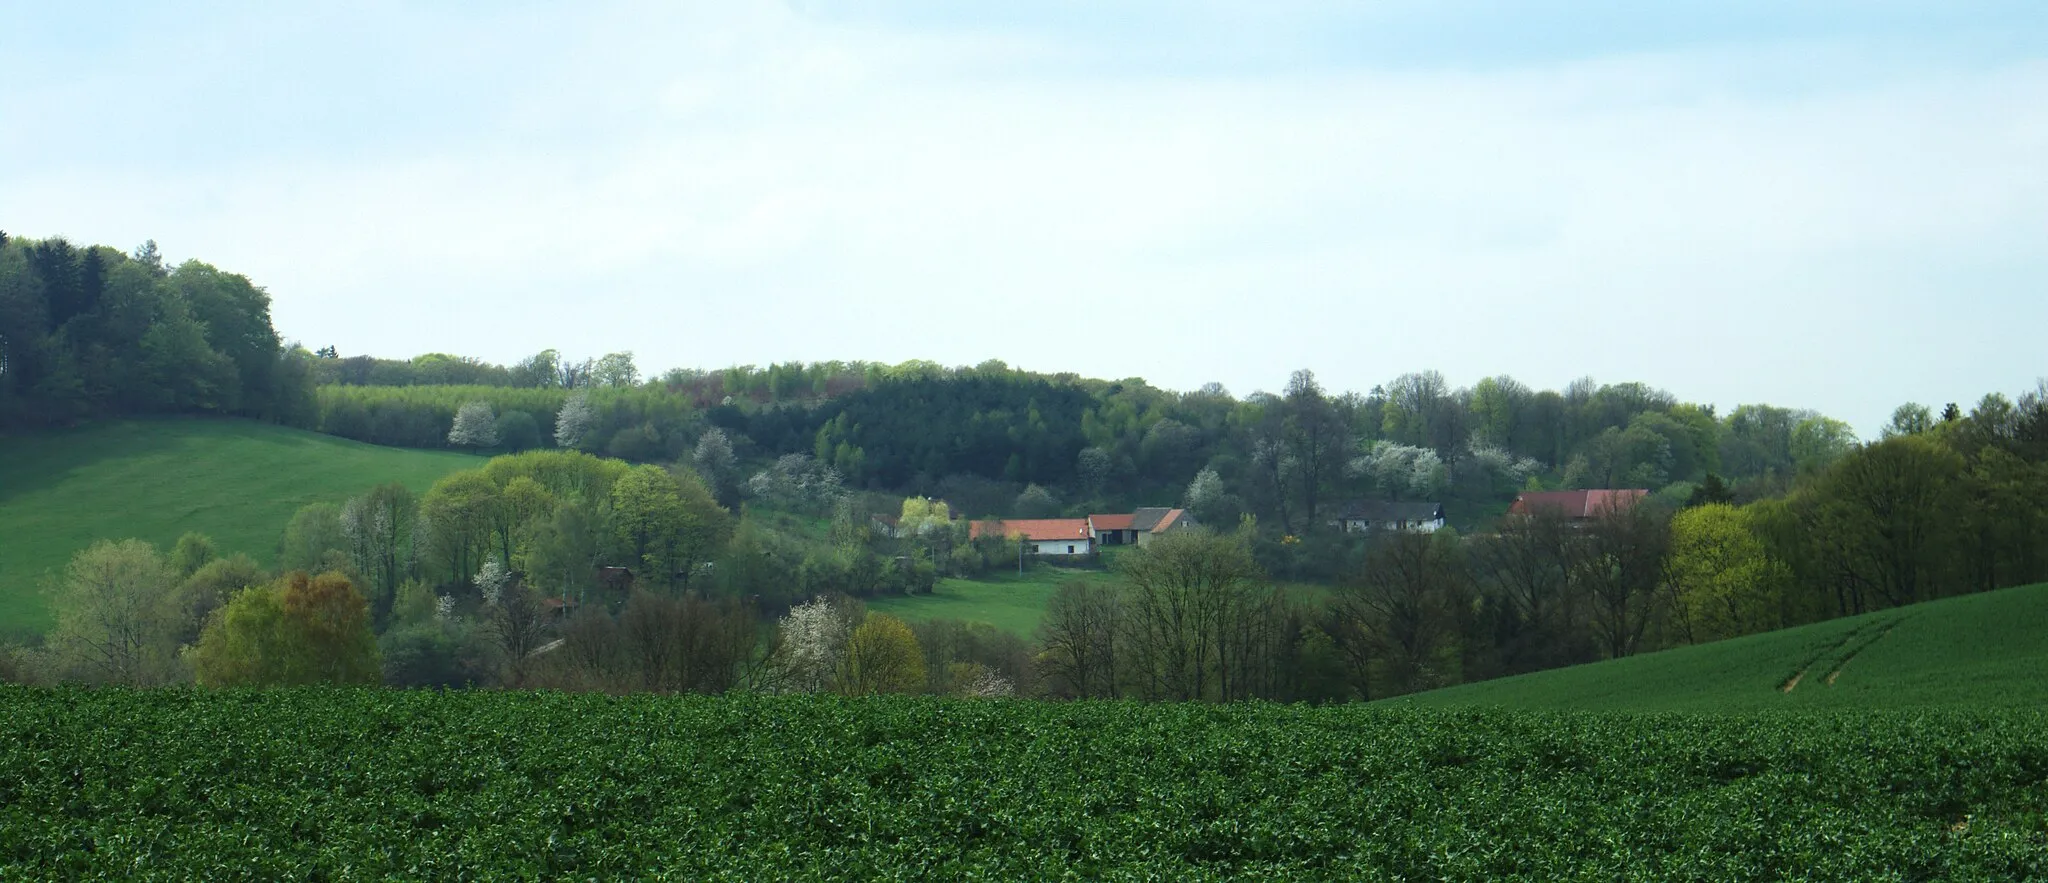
1837 205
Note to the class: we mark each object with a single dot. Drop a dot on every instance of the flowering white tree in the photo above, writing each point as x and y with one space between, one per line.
1402 470
798 481
715 462
1496 471
491 580
982 682
573 422
475 426
813 642
1205 494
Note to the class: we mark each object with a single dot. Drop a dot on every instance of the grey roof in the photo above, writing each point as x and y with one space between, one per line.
1143 520
1385 510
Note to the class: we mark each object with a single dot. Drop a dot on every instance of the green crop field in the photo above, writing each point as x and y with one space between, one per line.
382 784
1977 651
237 481
1005 600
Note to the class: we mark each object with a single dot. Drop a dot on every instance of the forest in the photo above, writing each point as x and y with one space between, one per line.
709 530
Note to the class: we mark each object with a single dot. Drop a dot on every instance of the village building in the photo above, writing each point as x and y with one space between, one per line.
1061 537
1577 506
1382 516
1112 529
1151 523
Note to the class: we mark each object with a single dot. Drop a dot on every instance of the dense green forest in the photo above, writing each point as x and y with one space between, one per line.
742 496
92 332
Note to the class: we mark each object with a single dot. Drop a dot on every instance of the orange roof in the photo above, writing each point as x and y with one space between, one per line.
1111 522
1577 504
1035 529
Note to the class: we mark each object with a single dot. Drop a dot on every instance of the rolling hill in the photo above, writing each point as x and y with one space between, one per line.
237 481
1987 650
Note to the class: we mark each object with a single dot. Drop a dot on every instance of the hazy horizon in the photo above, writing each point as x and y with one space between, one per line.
1820 205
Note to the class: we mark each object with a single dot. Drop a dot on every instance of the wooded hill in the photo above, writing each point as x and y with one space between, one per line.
1762 518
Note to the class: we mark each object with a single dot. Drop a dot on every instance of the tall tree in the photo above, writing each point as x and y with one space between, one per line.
1404 599
1618 561
1318 440
1182 592
116 616
1079 635
1722 581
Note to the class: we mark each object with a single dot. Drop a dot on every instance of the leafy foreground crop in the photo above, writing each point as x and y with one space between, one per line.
332 784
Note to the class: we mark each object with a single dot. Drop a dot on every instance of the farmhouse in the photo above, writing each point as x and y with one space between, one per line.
1112 530
885 525
1371 516
1043 536
1577 506
1152 523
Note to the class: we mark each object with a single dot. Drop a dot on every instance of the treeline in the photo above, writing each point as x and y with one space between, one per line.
549 369
92 332
980 436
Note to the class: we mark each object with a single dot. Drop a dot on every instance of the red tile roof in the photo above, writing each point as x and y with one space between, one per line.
1111 522
1035 529
1577 504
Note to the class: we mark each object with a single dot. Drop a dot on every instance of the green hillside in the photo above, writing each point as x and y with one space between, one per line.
1988 650
235 480
1005 600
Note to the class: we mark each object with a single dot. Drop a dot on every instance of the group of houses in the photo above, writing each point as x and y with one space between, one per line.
1378 516
1078 537
1085 536
1075 537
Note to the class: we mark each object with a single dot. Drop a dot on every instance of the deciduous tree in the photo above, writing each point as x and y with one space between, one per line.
301 630
475 426
575 422
116 615
882 656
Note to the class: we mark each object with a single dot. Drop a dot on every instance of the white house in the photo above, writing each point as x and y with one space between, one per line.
1370 516
1060 537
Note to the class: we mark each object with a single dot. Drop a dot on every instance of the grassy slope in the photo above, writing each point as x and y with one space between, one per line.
236 481
1988 650
1008 601
1016 603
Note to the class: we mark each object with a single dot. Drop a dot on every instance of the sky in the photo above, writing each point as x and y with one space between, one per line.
1825 204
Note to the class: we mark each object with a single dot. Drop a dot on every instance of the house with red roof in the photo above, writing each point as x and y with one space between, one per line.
1042 536
1083 536
1577 506
1113 529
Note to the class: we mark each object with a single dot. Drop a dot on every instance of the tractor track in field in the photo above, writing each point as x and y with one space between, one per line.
1848 643
1859 649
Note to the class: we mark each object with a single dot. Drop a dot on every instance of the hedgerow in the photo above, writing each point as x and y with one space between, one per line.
381 784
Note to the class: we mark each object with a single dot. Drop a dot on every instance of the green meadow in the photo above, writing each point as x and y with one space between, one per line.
237 481
1005 600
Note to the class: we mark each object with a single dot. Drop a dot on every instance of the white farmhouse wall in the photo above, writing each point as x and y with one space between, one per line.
1080 546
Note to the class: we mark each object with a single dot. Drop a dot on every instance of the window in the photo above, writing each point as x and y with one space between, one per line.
1070 550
